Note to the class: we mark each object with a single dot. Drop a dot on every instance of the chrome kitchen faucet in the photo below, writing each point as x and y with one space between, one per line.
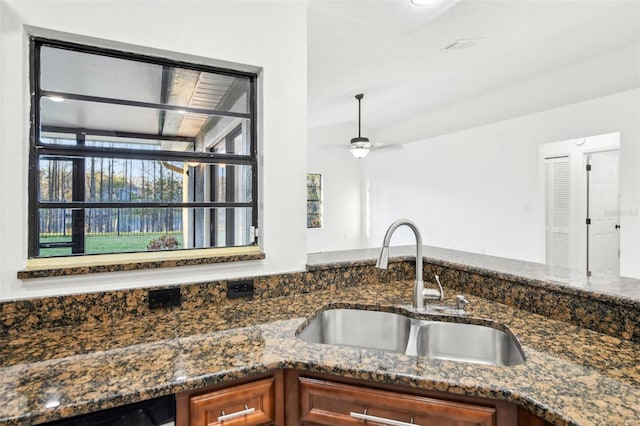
419 292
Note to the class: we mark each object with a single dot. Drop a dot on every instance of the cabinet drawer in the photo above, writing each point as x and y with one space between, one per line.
327 403
248 404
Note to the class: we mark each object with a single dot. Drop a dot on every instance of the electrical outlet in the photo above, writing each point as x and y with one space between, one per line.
240 288
164 298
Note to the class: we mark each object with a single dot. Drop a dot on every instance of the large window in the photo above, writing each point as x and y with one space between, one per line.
131 153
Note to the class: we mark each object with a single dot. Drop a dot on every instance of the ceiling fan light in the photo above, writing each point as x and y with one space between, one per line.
359 151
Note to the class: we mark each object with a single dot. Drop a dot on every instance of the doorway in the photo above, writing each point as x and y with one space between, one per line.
603 201
581 204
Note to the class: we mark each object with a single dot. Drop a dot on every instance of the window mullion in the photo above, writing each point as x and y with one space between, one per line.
117 133
141 154
34 168
78 194
140 104
145 204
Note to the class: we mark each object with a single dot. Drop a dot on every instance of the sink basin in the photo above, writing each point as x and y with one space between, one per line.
468 342
364 329
399 333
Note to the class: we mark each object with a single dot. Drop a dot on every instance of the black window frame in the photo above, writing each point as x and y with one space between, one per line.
80 151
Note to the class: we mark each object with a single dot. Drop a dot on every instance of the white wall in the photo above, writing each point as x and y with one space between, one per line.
473 191
329 156
268 34
478 189
3 175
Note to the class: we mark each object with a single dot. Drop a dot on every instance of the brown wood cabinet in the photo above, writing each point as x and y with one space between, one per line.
321 399
328 403
298 398
526 418
256 402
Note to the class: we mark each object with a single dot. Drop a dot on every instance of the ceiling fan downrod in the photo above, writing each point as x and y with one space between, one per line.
359 98
360 146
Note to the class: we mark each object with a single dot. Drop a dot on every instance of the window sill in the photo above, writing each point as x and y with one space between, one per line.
57 267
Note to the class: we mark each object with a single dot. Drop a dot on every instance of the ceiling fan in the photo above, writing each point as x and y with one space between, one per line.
361 146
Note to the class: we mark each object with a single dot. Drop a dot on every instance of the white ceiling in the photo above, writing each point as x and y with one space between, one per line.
393 52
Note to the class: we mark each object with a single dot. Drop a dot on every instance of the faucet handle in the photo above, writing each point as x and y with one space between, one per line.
432 293
439 286
461 302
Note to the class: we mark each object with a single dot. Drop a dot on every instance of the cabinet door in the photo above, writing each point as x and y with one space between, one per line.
328 403
248 404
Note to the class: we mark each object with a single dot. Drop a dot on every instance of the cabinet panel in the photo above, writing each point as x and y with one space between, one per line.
248 404
526 418
328 403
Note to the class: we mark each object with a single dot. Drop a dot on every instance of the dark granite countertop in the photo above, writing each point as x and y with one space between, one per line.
572 375
615 289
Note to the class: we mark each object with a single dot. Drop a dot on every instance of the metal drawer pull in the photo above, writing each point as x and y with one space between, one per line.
240 413
390 422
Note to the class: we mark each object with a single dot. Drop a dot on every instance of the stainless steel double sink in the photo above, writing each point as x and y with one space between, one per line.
399 333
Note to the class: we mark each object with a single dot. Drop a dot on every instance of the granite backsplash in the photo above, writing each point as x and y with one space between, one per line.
610 315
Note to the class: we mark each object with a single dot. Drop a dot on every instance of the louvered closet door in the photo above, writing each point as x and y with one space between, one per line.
556 184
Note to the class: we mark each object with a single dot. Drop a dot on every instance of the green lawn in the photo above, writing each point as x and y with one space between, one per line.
95 244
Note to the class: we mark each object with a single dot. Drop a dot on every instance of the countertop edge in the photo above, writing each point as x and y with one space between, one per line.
547 284
375 376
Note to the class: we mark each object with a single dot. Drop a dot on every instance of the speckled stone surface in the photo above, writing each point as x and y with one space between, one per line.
133 266
608 304
606 287
123 305
572 376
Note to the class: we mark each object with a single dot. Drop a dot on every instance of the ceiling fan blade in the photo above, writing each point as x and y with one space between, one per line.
332 146
386 147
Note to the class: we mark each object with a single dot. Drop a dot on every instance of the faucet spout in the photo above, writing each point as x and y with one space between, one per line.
383 260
